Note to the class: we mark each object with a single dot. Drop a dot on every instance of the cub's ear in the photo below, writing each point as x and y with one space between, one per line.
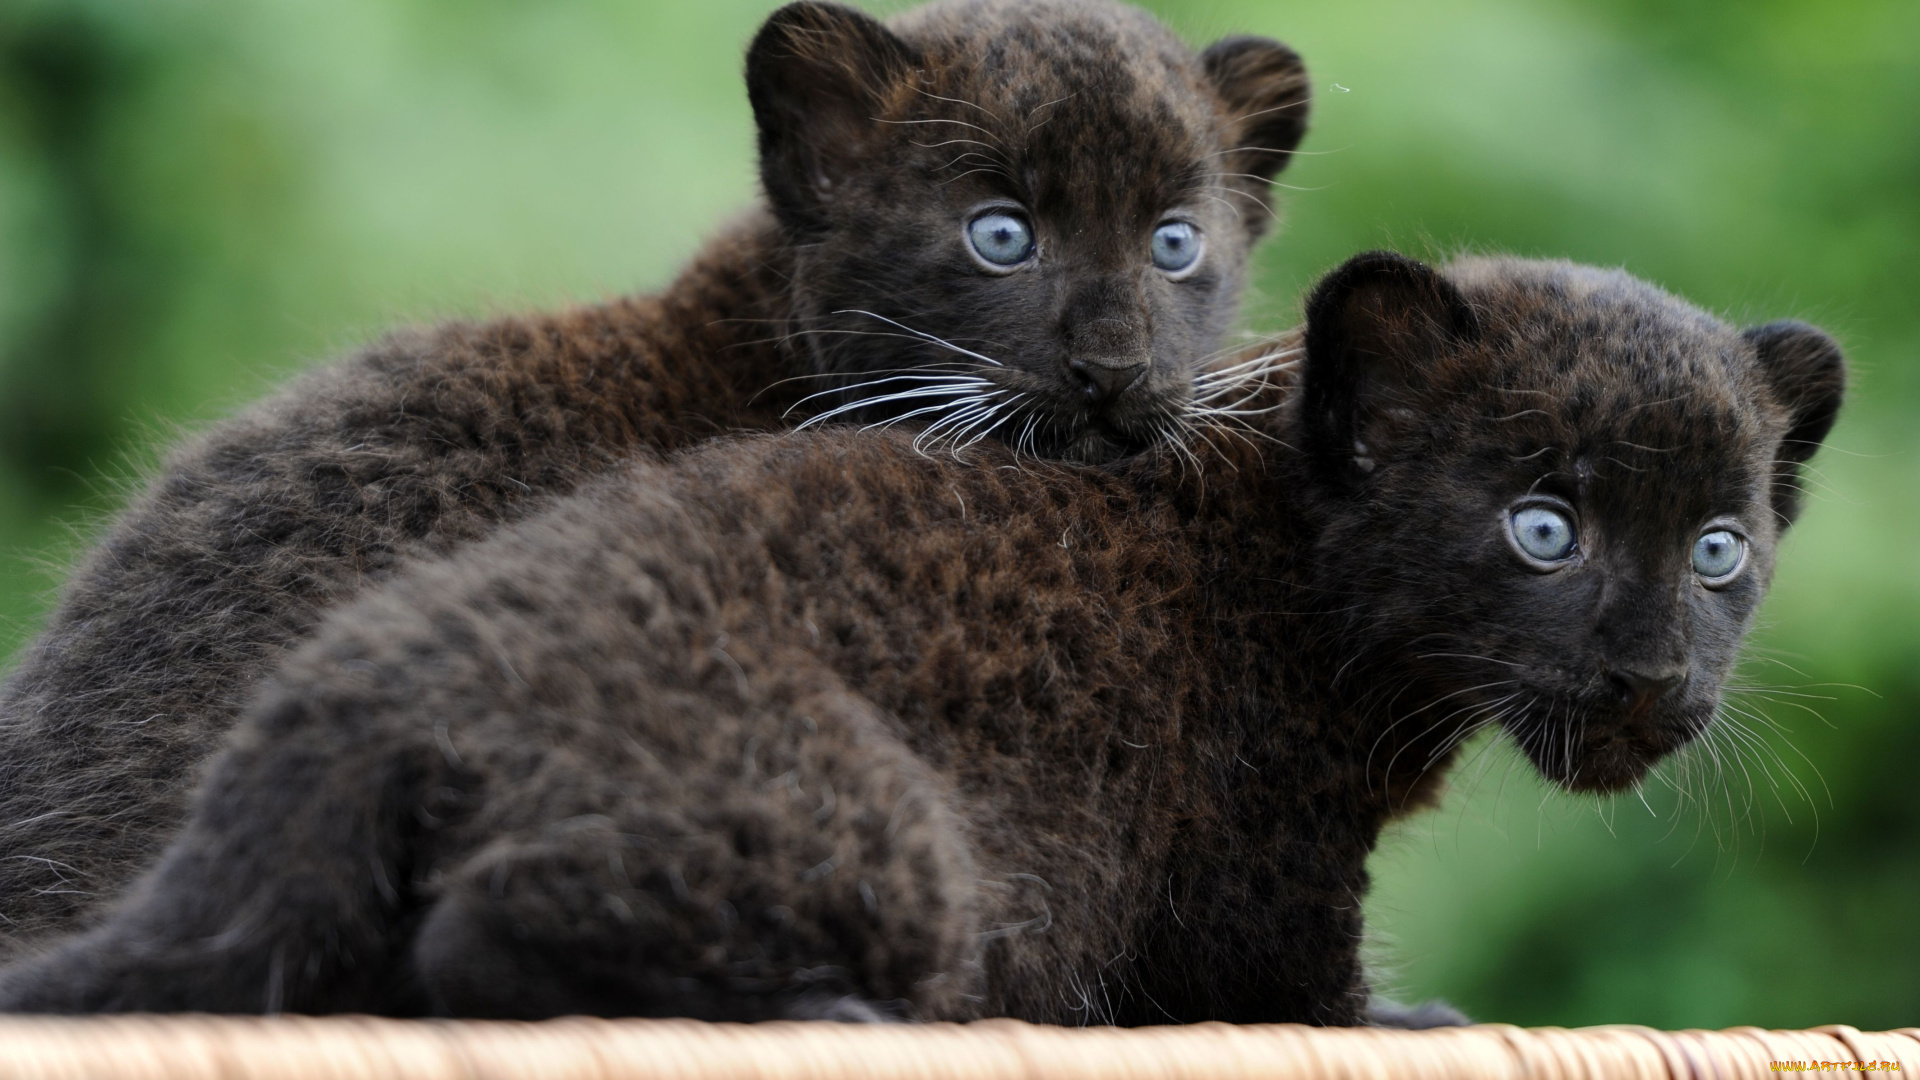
1263 88
817 75
1373 327
1809 378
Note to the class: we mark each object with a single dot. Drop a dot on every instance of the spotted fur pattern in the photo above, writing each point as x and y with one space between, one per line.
786 723
873 140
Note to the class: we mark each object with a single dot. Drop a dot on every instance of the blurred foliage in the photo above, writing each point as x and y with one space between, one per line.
199 196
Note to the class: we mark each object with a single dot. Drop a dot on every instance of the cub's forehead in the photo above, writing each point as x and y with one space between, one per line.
1603 356
1028 52
1090 98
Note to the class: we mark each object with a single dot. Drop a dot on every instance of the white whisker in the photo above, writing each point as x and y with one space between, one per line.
883 399
923 336
892 420
947 380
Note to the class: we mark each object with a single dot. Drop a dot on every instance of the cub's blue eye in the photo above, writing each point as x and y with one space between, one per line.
1001 239
1543 532
1718 554
1176 245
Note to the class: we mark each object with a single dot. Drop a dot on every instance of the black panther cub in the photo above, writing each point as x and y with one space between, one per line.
1024 219
813 725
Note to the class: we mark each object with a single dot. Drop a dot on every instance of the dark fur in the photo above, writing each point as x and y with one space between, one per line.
431 440
785 722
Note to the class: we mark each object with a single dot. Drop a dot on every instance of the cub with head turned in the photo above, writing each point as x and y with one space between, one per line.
1021 219
810 726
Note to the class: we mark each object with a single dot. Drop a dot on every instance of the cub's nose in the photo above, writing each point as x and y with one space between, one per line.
1105 381
1638 689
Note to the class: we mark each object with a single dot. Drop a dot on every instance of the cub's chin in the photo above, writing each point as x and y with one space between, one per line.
1096 446
1103 441
1604 750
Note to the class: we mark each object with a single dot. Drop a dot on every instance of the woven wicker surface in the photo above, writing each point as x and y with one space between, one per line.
164 1048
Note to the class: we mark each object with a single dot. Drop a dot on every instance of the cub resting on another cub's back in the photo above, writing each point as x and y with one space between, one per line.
1062 185
812 725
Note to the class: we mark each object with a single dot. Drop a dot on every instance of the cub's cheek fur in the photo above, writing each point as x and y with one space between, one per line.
1439 403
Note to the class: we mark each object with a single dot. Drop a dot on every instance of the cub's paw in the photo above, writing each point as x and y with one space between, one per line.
1427 1014
846 1009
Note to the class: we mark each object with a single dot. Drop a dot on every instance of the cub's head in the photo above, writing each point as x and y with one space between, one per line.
1555 496
1028 218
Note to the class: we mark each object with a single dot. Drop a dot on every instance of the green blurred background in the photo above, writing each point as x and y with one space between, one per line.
198 197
